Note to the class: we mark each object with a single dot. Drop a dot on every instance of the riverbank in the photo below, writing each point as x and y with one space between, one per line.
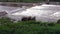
28 27
18 4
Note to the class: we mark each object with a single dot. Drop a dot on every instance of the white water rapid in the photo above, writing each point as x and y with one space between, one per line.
44 13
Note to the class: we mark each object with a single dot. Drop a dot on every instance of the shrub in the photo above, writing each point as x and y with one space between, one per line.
51 24
58 21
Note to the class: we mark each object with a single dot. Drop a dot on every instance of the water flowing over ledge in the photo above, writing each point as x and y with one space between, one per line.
44 13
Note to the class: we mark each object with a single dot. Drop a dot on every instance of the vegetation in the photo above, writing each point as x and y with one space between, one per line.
28 27
26 0
21 0
55 0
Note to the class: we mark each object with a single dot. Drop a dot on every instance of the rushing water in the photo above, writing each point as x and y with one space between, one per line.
45 13
10 10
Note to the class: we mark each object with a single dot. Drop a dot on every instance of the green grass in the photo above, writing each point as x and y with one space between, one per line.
28 27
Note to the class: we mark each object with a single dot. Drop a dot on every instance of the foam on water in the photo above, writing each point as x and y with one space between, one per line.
46 13
10 10
39 10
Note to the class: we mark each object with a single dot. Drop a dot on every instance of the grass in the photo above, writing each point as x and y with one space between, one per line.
28 27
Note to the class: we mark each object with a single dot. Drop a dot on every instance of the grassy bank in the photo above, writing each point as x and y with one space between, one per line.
28 27
27 1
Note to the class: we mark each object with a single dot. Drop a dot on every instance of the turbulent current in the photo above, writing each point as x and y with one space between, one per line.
44 13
